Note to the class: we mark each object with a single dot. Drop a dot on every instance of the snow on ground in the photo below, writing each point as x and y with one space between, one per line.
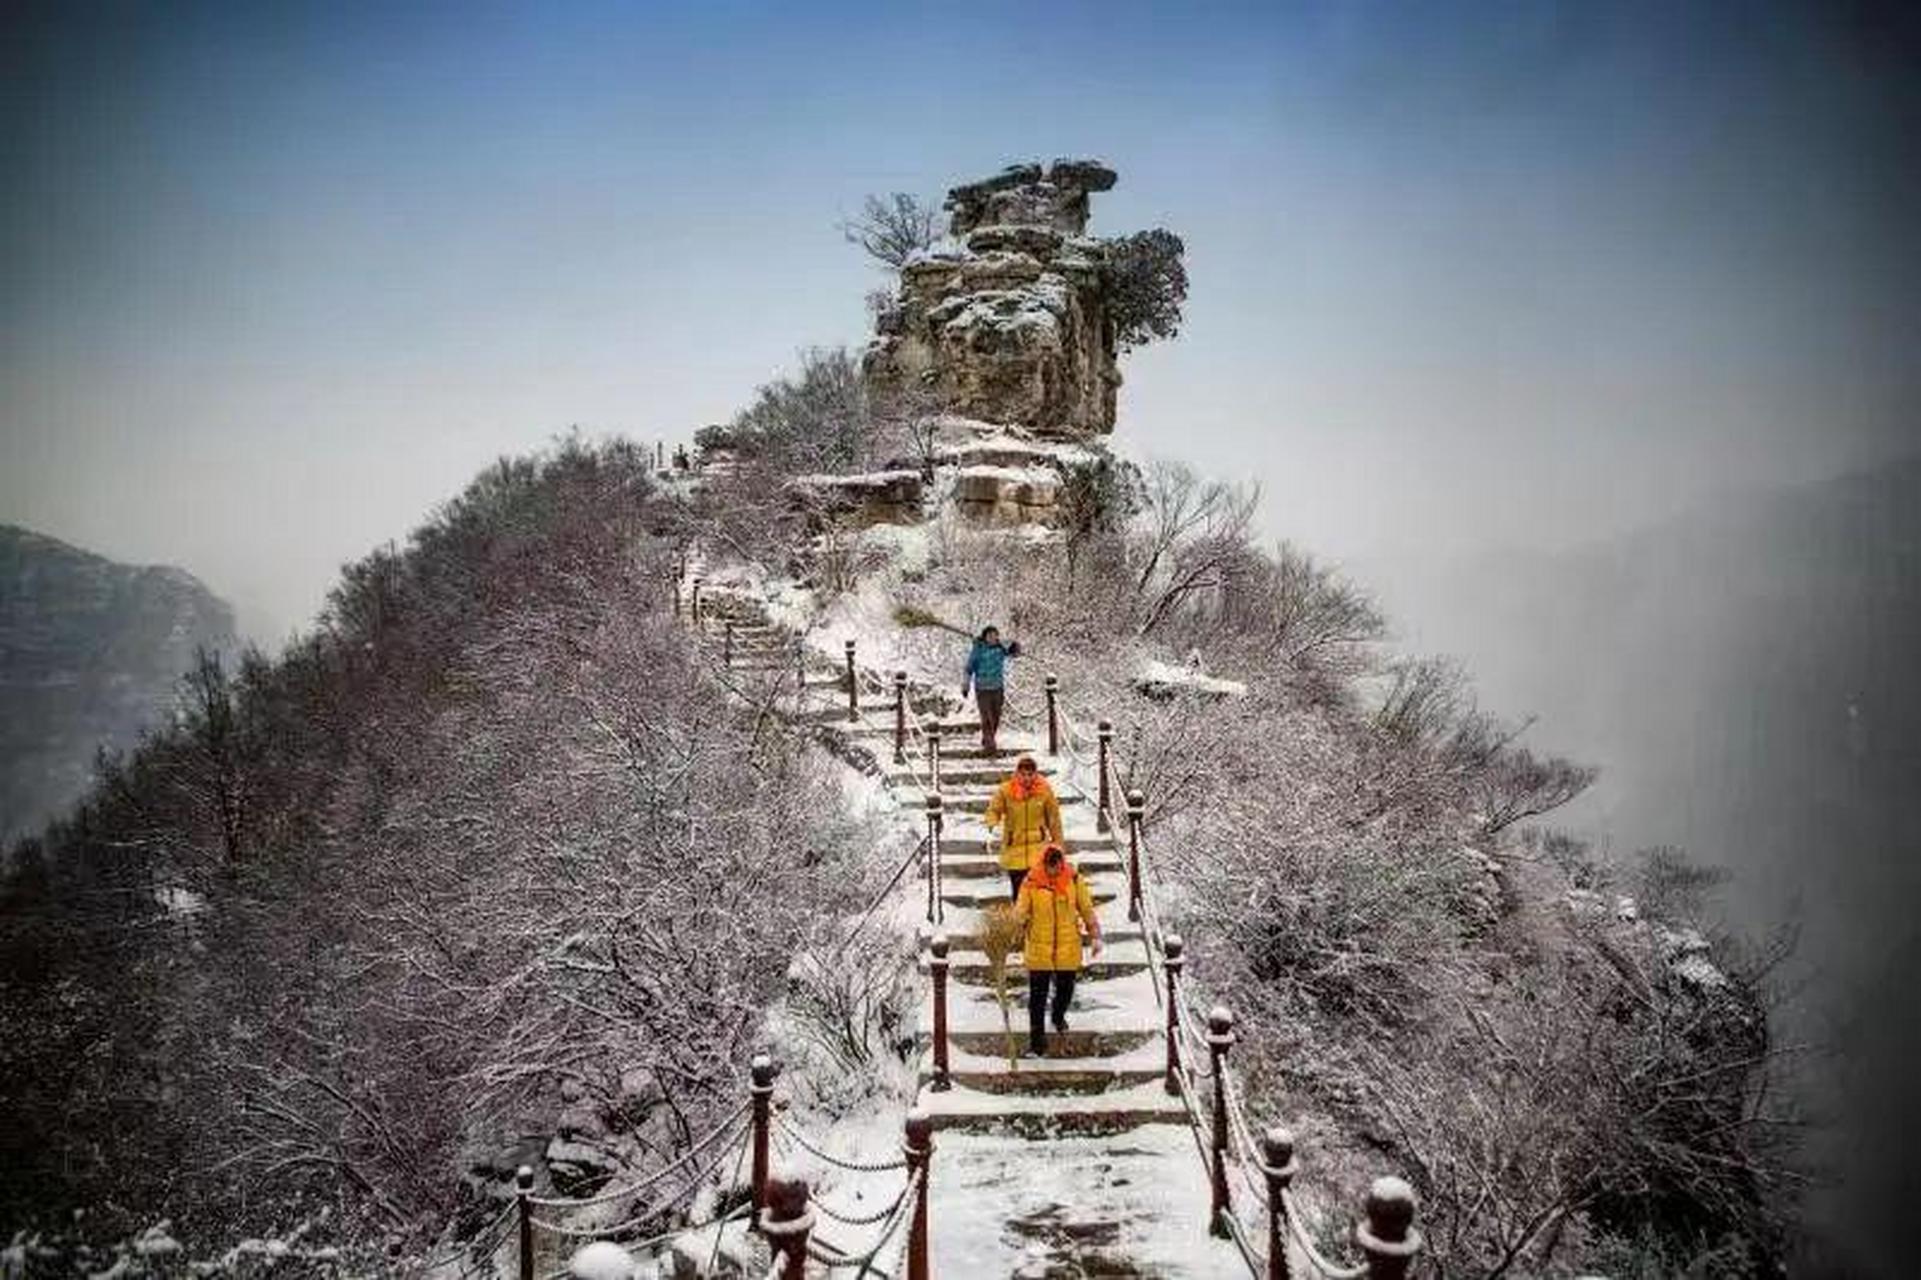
1124 1205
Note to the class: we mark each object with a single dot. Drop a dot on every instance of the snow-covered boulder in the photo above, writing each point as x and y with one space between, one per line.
1007 320
876 497
1163 680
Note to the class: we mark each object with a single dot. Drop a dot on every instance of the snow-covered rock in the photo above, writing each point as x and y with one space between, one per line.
1163 680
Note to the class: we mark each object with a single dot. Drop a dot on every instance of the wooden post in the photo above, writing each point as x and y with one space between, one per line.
937 949
727 647
523 1201
1277 1164
1136 810
1220 1038
935 908
760 1095
1173 959
786 1222
933 754
900 717
1389 1237
1105 732
853 686
698 621
918 1146
1053 686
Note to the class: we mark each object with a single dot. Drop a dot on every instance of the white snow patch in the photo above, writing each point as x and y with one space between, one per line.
1162 676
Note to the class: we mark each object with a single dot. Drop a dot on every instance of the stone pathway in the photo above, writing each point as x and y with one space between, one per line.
1079 1164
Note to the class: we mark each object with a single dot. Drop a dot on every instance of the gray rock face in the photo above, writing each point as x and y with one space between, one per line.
90 651
1007 323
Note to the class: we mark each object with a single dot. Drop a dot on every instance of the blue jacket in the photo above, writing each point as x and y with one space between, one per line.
987 665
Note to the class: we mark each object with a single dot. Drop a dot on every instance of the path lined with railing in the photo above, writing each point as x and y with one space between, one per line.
1141 1072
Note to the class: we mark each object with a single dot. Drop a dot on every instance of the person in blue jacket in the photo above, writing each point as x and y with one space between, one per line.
987 673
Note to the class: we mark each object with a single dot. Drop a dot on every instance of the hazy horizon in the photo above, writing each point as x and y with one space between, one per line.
278 282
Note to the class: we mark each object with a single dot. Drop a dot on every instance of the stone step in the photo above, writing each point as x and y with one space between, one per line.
962 866
1054 1074
1118 960
1045 1115
1104 891
976 802
960 925
976 843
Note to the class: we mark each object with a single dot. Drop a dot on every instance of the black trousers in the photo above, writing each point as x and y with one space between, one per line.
1014 879
1039 984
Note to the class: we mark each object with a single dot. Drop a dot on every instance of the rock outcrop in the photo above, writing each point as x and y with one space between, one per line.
1007 320
90 652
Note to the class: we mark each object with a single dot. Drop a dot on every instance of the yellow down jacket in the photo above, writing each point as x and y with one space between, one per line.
1028 819
1053 911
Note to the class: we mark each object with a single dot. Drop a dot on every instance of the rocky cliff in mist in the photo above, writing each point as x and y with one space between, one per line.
89 653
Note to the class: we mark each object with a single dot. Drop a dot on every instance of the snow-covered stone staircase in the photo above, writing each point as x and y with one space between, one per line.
1079 1163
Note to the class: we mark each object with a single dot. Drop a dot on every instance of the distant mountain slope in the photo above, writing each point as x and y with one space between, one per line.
1747 678
89 653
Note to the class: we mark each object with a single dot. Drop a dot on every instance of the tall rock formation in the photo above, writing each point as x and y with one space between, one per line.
1006 322
90 652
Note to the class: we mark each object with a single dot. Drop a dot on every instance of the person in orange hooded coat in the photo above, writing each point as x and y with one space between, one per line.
1027 815
1054 903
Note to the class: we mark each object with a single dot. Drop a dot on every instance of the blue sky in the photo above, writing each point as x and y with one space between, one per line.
275 278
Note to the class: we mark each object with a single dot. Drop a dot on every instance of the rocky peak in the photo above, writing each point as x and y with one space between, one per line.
1026 196
1007 322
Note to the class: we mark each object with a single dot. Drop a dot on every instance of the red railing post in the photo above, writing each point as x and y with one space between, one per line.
1173 960
853 686
900 717
523 1202
933 754
760 1094
1220 1038
1389 1237
786 1222
1136 810
918 1146
937 949
1105 732
935 908
1053 687
1277 1163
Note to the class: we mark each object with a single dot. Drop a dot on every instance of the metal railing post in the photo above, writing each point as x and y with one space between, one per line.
1388 1237
760 1094
1136 810
1277 1161
1173 959
935 908
918 1146
1105 732
1053 687
523 1203
853 686
786 1222
677 605
1220 1038
900 717
800 672
937 949
699 622
933 754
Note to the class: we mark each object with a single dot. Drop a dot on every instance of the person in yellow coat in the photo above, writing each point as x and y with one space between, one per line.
1027 815
1054 903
